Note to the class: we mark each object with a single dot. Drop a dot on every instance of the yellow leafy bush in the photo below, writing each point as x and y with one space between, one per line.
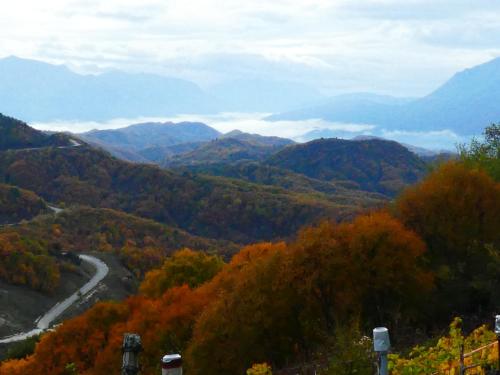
260 369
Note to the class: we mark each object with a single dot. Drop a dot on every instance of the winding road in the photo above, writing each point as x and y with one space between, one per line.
44 322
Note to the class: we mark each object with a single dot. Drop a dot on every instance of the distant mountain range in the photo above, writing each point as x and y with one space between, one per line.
349 108
190 144
466 104
38 91
150 142
257 95
153 134
185 143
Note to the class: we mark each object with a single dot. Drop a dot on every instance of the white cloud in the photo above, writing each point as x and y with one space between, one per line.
223 122
297 130
388 46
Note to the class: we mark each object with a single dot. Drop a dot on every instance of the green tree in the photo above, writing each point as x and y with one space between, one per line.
184 267
484 153
352 352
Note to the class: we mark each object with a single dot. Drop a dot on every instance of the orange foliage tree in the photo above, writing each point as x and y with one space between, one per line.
278 303
456 210
371 266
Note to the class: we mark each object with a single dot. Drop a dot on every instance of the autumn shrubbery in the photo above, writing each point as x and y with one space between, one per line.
18 204
443 356
25 261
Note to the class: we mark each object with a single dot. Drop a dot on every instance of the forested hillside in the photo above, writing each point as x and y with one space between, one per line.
225 150
206 206
26 261
345 192
258 140
139 243
16 134
375 165
18 204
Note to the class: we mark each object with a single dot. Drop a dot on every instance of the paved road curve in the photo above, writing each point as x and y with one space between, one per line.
44 322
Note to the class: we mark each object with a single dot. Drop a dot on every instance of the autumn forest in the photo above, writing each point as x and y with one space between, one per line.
254 266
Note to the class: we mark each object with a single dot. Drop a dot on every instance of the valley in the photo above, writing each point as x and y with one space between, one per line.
186 234
292 187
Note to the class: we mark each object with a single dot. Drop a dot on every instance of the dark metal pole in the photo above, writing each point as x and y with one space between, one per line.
131 348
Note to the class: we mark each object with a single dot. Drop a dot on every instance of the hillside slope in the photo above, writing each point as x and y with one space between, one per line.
80 228
258 140
375 165
225 150
16 134
19 204
340 192
207 206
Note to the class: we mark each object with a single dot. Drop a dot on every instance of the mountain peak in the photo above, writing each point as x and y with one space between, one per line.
21 62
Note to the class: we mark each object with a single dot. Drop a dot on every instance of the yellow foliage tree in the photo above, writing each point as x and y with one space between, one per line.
260 369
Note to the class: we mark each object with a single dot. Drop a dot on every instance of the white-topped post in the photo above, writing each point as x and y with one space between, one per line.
171 364
381 345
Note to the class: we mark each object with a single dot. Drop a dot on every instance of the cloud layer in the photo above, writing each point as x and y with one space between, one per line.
387 46
300 131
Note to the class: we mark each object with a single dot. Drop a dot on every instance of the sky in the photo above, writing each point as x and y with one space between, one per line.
397 47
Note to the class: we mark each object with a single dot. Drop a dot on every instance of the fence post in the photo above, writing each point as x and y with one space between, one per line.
171 364
381 344
131 348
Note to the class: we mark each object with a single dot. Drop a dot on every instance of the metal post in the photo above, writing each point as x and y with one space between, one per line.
131 348
381 345
171 364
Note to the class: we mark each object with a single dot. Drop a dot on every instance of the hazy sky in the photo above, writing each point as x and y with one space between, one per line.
400 47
